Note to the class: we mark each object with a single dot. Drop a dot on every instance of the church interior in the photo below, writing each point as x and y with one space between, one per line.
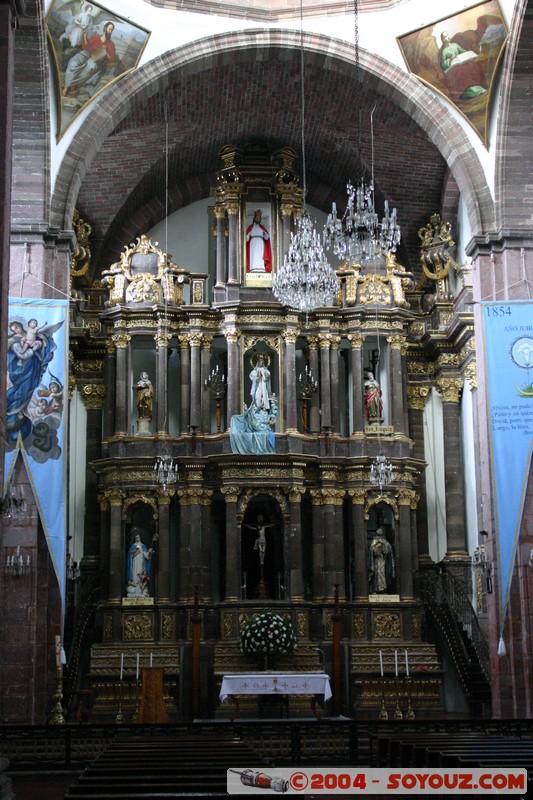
267 418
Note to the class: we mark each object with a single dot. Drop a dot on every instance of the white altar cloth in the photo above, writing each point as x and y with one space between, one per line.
275 683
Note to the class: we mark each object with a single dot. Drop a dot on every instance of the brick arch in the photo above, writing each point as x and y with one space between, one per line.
514 159
427 110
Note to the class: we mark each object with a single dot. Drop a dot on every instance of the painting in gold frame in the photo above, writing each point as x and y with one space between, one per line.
92 48
458 57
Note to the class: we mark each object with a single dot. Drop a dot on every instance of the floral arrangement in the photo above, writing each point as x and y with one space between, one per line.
267 633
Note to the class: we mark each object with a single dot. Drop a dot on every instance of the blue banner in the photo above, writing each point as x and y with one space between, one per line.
508 337
36 407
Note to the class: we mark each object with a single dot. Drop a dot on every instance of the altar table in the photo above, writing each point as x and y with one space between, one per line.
276 683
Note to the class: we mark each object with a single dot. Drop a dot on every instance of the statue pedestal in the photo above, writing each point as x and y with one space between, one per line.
143 427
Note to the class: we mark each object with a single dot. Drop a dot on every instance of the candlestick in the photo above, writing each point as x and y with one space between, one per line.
381 663
396 663
121 665
406 664
137 668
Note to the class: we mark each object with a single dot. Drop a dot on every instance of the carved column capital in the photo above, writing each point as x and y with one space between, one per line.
93 395
162 339
232 209
231 493
295 494
335 342
219 212
324 340
398 342
356 340
232 335
358 496
407 497
312 342
449 389
121 340
471 373
417 397
290 336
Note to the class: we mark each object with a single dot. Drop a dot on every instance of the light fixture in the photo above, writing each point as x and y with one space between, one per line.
17 564
358 235
13 503
72 567
381 472
305 281
165 471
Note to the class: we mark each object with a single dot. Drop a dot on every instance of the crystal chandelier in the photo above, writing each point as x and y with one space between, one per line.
305 281
358 234
165 471
381 472
13 503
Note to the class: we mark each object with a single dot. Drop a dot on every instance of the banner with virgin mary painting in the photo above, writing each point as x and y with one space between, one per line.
36 407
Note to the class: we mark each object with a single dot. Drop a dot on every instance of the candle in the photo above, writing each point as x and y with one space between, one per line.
58 652
137 669
121 665
396 663
406 664
381 663
151 659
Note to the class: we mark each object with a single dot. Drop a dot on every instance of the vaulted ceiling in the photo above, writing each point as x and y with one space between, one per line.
252 96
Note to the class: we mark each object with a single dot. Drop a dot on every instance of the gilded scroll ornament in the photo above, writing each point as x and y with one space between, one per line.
387 626
138 626
417 625
143 289
228 625
301 625
358 626
374 289
436 244
108 628
231 493
373 499
167 626
471 373
93 366
80 260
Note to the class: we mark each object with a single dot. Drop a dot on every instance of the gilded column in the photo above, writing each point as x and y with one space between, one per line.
116 551
335 399
233 545
450 391
416 400
333 544
110 377
162 340
233 245
291 424
325 383
296 589
233 383
358 418
398 348
122 390
185 383
220 215
195 341
404 560
205 363
360 573
318 543
163 546
314 416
